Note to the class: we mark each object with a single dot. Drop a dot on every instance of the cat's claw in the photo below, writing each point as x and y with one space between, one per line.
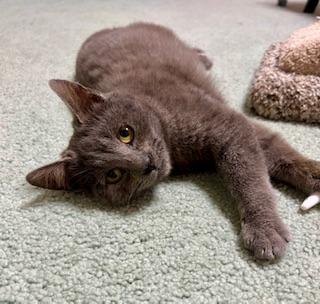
204 59
267 240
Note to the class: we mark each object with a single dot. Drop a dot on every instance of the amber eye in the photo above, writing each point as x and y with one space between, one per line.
126 134
114 175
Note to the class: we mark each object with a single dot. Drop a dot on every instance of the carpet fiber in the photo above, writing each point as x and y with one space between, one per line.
179 244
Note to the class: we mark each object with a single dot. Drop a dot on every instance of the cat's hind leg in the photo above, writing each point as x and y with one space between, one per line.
286 164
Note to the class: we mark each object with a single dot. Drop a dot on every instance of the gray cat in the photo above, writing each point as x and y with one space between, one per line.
144 105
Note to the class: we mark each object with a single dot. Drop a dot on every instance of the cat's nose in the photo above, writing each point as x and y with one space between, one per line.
149 167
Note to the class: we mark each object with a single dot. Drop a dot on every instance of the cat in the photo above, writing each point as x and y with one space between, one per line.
144 106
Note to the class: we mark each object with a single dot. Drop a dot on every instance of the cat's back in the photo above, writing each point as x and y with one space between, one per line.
139 54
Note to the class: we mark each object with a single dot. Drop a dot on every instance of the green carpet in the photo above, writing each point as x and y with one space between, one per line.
179 244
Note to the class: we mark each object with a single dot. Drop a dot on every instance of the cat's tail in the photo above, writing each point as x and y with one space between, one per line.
311 201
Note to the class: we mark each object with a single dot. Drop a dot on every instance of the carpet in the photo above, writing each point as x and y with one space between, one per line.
178 244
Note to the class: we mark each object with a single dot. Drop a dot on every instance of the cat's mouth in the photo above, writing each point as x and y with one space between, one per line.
149 177
151 174
150 166
149 169
147 180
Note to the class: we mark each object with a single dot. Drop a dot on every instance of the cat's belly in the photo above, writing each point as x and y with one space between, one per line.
191 158
195 131
183 166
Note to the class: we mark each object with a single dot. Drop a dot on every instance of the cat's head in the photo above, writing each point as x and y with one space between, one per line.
117 149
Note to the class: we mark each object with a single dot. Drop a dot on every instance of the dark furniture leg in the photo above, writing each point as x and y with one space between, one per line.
282 2
311 6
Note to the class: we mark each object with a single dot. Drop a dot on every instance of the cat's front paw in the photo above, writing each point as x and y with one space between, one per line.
266 238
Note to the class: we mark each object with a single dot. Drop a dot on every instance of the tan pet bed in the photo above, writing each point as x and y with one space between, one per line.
287 83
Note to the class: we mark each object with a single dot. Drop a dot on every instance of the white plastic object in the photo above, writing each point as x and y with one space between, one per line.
310 201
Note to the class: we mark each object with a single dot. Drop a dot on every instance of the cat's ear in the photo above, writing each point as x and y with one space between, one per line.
52 176
78 98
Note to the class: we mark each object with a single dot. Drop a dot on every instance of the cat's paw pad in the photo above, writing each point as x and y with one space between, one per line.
266 239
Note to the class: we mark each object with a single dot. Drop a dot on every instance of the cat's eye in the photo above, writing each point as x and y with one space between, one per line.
114 175
126 134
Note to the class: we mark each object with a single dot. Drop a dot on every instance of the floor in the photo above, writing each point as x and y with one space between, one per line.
180 245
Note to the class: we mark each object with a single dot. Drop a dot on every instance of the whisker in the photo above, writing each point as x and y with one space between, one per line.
80 172
135 190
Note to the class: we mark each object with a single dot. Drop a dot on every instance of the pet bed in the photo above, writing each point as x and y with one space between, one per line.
287 83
